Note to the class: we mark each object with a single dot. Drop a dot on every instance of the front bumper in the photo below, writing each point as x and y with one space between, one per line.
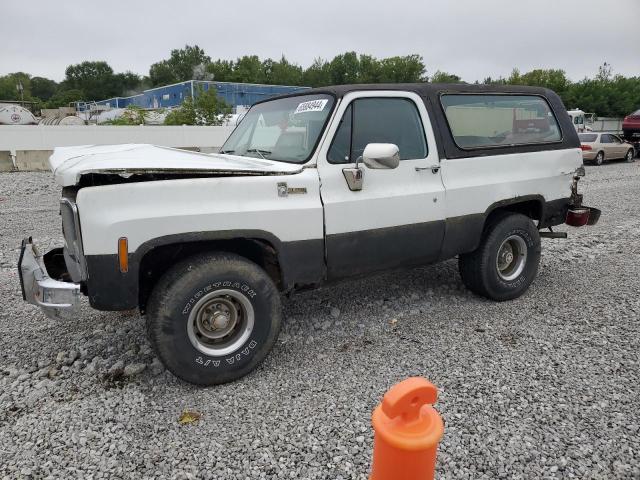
58 300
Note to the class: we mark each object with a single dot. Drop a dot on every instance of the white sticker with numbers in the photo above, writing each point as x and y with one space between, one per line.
311 106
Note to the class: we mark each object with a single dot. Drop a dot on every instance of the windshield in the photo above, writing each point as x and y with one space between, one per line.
286 129
587 137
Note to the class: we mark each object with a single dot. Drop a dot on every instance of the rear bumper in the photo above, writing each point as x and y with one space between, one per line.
589 155
57 299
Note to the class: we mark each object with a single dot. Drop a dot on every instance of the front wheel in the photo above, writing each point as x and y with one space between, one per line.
506 262
213 318
629 156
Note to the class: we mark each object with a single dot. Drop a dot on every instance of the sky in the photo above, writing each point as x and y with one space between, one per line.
471 38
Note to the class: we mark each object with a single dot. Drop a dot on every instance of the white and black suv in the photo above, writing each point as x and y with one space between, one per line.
309 189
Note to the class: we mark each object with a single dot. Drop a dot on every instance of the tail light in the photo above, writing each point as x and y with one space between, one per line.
577 217
586 147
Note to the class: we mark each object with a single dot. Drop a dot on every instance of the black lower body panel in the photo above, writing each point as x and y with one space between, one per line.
357 253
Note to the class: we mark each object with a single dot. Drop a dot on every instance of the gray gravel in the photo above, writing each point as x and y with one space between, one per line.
546 386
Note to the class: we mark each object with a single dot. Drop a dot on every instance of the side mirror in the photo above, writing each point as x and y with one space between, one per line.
381 155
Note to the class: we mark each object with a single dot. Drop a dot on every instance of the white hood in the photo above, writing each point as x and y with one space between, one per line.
70 163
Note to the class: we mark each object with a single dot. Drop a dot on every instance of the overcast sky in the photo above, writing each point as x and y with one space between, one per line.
472 38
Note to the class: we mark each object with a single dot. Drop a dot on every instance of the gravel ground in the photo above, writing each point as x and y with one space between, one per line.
546 386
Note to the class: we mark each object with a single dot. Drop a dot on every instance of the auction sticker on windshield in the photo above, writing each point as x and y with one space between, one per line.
311 106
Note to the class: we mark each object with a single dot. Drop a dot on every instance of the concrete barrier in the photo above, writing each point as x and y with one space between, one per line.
32 160
6 163
31 145
47 137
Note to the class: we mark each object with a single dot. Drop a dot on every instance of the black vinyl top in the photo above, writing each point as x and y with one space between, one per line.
447 147
422 89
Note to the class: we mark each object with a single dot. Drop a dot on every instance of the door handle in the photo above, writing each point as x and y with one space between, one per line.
434 168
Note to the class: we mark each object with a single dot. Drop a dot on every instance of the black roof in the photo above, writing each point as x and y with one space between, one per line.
423 89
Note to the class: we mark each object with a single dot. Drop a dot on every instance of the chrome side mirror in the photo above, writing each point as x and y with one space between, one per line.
381 155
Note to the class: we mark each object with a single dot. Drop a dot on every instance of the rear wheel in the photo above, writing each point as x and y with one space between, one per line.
629 156
506 262
213 318
599 158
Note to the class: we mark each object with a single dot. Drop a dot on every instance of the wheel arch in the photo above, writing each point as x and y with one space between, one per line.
463 234
155 257
532 206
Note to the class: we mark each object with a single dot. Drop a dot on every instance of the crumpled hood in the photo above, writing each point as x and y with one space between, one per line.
68 164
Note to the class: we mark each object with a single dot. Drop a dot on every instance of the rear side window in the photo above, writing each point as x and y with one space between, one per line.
378 120
478 121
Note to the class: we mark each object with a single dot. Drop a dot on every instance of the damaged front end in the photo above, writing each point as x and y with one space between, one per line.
579 215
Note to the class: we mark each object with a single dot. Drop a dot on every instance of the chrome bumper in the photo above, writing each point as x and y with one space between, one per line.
58 300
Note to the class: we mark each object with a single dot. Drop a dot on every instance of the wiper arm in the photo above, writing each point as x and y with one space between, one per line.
259 152
226 151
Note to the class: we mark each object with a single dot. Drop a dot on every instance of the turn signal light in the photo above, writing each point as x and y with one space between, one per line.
123 254
586 147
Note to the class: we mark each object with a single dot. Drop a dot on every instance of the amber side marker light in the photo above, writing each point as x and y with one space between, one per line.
123 254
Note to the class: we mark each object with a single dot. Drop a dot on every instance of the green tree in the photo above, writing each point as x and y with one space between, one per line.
409 69
282 72
248 69
345 68
206 109
444 77
221 70
9 86
318 74
179 67
43 88
95 79
127 83
556 80
63 98
133 115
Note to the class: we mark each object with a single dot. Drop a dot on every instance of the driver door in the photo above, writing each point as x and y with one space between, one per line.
397 218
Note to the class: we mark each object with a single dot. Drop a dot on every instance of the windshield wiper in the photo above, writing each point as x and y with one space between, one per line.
259 152
226 151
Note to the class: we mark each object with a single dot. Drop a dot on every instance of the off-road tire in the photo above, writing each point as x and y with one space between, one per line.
178 292
479 270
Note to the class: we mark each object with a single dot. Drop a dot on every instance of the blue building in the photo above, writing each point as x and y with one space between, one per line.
234 94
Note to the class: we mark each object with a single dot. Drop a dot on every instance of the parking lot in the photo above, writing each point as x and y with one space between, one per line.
546 386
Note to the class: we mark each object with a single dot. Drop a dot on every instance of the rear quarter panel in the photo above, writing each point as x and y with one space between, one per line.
472 185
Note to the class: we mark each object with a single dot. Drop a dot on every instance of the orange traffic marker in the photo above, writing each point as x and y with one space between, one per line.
407 432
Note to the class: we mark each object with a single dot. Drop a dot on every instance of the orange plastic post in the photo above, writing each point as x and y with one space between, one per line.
407 432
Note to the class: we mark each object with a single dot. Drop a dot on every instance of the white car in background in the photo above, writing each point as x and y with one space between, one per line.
601 147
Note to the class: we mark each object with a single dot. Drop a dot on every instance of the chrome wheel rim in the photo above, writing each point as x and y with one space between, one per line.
511 258
220 322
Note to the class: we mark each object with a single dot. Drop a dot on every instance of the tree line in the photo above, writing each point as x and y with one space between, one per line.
605 93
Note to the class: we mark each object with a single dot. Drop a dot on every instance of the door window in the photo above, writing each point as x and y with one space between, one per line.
606 139
341 146
378 120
